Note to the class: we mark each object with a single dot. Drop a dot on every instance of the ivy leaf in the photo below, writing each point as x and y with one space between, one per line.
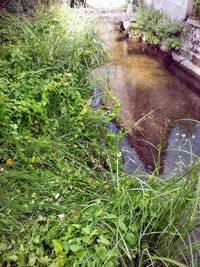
94 232
87 240
103 240
57 246
130 238
3 246
122 226
86 230
65 246
75 248
32 261
13 258
77 226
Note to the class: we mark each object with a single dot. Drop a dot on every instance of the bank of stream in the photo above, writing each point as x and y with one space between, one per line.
160 105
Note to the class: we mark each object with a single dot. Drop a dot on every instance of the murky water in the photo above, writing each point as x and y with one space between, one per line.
159 103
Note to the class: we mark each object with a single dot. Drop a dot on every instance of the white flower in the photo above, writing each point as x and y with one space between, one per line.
193 136
14 126
57 196
177 134
61 216
119 154
183 135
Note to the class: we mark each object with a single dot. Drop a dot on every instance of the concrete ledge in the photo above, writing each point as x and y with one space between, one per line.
193 22
190 66
186 63
178 58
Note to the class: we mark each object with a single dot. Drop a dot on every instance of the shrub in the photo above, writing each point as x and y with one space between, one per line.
14 6
37 59
155 29
197 9
28 4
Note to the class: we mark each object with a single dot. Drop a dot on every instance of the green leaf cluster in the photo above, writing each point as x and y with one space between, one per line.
98 224
64 200
197 9
155 29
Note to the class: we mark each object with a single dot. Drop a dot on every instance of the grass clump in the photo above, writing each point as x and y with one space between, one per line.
197 9
64 200
155 29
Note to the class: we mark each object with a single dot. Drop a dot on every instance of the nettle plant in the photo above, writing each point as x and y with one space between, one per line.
155 29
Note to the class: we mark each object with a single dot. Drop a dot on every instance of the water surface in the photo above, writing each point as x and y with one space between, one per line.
159 100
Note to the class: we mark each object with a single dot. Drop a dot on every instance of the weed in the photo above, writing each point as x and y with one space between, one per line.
197 9
151 25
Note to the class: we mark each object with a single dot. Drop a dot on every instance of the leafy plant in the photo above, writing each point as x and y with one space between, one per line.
28 4
151 25
197 9
64 200
14 6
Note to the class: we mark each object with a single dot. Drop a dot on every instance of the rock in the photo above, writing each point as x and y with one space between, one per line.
164 48
178 58
196 60
127 27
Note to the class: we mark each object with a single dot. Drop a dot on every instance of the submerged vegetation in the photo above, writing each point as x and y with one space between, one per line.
157 30
64 199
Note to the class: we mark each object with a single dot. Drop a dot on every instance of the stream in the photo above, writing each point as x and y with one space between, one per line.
159 105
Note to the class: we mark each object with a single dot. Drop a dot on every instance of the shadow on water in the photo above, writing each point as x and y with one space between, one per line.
150 85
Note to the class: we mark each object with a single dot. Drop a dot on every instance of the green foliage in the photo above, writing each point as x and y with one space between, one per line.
197 9
151 25
28 5
17 6
37 59
64 200
74 220
14 6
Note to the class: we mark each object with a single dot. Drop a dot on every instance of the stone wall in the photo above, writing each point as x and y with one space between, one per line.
175 9
189 54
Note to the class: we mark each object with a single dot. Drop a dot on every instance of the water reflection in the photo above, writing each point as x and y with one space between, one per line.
150 85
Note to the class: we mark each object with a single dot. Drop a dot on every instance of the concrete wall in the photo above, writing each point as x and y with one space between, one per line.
175 9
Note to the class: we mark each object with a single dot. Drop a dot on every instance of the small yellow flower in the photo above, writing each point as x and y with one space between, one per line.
151 177
9 161
34 194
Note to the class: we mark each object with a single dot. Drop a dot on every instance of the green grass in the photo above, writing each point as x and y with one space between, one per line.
64 200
